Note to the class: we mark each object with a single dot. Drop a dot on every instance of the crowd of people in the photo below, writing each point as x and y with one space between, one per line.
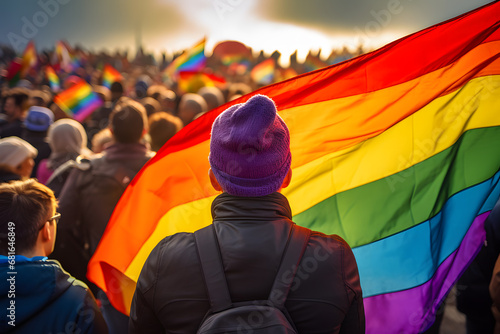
82 168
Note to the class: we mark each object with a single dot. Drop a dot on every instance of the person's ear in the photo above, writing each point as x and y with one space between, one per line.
45 232
213 180
287 179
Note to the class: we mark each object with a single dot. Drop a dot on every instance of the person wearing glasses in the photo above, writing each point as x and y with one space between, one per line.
36 294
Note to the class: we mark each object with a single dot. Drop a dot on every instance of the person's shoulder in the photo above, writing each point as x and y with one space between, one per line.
76 301
65 279
175 250
174 245
332 241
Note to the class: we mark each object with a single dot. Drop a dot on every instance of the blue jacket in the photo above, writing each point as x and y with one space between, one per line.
43 298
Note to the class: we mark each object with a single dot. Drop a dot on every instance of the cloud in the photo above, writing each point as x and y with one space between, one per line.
341 16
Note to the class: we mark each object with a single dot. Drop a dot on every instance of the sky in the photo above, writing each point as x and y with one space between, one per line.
173 25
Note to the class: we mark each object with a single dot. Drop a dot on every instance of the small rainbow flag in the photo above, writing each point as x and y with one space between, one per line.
191 60
287 73
263 73
110 75
313 63
53 79
14 71
191 81
78 101
227 60
65 58
29 58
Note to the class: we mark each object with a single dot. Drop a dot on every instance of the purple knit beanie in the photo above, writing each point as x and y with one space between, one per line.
250 148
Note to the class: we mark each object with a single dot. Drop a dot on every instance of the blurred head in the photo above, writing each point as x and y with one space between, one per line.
39 98
151 105
141 87
213 97
238 89
128 122
66 137
103 92
101 140
15 103
116 91
28 206
17 156
168 101
190 106
250 149
162 127
38 119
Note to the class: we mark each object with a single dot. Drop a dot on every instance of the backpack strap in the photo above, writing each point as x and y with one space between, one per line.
213 270
296 247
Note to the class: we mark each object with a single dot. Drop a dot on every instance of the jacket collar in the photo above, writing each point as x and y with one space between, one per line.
118 151
272 206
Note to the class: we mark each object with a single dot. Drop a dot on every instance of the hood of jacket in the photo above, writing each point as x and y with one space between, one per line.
33 285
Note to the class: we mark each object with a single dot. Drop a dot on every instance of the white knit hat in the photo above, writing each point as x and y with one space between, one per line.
14 150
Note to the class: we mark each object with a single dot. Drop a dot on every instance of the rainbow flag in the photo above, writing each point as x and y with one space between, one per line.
228 60
191 81
53 79
78 101
191 60
13 74
263 73
30 58
19 67
395 151
64 57
110 75
313 63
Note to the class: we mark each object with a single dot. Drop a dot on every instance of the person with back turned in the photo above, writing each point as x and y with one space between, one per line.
250 162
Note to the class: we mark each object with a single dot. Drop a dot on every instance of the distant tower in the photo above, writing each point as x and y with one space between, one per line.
138 28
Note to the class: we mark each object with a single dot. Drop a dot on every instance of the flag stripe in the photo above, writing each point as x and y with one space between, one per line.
435 180
445 231
403 309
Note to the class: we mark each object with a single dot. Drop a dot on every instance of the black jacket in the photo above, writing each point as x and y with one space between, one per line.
87 201
325 297
37 140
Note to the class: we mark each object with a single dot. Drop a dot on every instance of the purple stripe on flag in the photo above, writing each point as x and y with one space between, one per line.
88 109
410 311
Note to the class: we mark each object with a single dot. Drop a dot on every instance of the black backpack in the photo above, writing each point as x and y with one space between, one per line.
258 316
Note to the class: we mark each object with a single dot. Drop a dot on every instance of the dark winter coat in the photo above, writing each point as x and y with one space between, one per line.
252 232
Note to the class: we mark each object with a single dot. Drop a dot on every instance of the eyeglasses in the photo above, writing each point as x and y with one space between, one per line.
54 218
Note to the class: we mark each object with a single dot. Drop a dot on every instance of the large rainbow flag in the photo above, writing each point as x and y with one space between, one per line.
396 151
